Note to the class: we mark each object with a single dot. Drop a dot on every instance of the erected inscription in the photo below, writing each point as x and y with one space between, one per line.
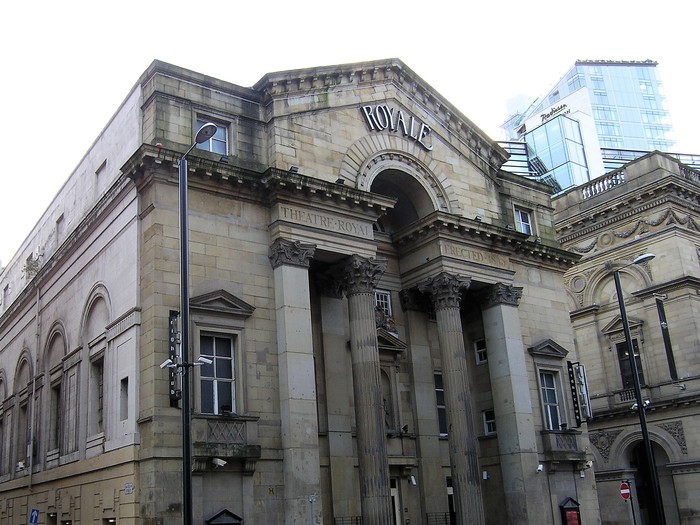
467 254
381 117
325 221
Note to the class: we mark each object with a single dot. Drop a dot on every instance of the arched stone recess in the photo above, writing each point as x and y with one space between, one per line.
55 347
601 290
97 313
620 451
371 155
3 386
24 371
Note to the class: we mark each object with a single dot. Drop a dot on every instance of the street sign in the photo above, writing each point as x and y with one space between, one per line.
625 491
34 517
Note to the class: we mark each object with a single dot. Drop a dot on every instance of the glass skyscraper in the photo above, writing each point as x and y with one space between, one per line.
598 109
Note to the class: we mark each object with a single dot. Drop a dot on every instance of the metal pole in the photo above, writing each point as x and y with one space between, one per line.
184 347
658 506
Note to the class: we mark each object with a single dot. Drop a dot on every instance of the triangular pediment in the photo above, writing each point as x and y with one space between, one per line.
615 326
548 348
223 302
386 340
224 517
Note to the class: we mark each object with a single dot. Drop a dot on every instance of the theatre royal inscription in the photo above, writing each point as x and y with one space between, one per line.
325 221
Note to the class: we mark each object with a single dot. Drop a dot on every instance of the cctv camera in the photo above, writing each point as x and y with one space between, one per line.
204 360
412 480
218 462
165 364
540 467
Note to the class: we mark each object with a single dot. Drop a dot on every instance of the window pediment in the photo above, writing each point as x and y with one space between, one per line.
615 326
548 348
388 341
224 517
221 301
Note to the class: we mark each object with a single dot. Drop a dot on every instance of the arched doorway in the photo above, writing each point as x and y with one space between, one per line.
643 489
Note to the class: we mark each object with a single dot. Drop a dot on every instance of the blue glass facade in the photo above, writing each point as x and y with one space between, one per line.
598 106
627 103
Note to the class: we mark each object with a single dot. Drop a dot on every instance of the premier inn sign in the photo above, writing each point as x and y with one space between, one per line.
380 118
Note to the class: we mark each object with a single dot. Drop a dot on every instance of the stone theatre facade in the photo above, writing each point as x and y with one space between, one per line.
384 309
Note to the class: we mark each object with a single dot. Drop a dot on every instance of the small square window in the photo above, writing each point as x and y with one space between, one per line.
489 422
523 220
219 142
480 351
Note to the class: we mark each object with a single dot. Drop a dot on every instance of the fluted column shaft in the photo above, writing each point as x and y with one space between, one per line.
445 291
361 276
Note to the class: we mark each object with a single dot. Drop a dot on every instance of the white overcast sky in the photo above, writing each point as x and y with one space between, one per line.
68 65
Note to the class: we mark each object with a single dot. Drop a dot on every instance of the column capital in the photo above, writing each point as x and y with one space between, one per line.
445 289
412 299
361 274
500 293
292 253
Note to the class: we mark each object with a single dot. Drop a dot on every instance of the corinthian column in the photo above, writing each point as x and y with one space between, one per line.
298 408
446 292
360 279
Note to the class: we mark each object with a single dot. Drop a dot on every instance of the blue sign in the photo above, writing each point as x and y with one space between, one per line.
34 517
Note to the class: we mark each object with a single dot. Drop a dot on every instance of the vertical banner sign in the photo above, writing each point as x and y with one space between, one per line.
579 392
574 394
173 339
667 339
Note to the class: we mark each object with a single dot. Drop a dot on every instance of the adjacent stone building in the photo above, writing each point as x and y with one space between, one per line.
382 313
648 206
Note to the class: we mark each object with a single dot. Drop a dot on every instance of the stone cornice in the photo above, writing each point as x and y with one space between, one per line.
602 219
267 184
522 245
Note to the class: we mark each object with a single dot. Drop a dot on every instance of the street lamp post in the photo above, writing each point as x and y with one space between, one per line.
205 133
641 409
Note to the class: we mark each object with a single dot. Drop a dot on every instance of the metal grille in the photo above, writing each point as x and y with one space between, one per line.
226 432
348 520
438 518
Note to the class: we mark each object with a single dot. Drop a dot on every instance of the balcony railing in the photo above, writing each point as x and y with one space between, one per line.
563 445
226 438
603 184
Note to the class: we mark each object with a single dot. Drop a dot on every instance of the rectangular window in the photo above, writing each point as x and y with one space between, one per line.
55 417
489 422
550 399
523 220
217 380
480 351
219 142
440 400
124 400
625 365
96 396
382 301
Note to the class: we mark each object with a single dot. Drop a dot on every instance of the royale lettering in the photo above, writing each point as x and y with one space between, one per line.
383 117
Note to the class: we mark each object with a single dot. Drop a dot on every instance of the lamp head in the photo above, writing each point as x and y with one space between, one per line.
205 132
643 258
